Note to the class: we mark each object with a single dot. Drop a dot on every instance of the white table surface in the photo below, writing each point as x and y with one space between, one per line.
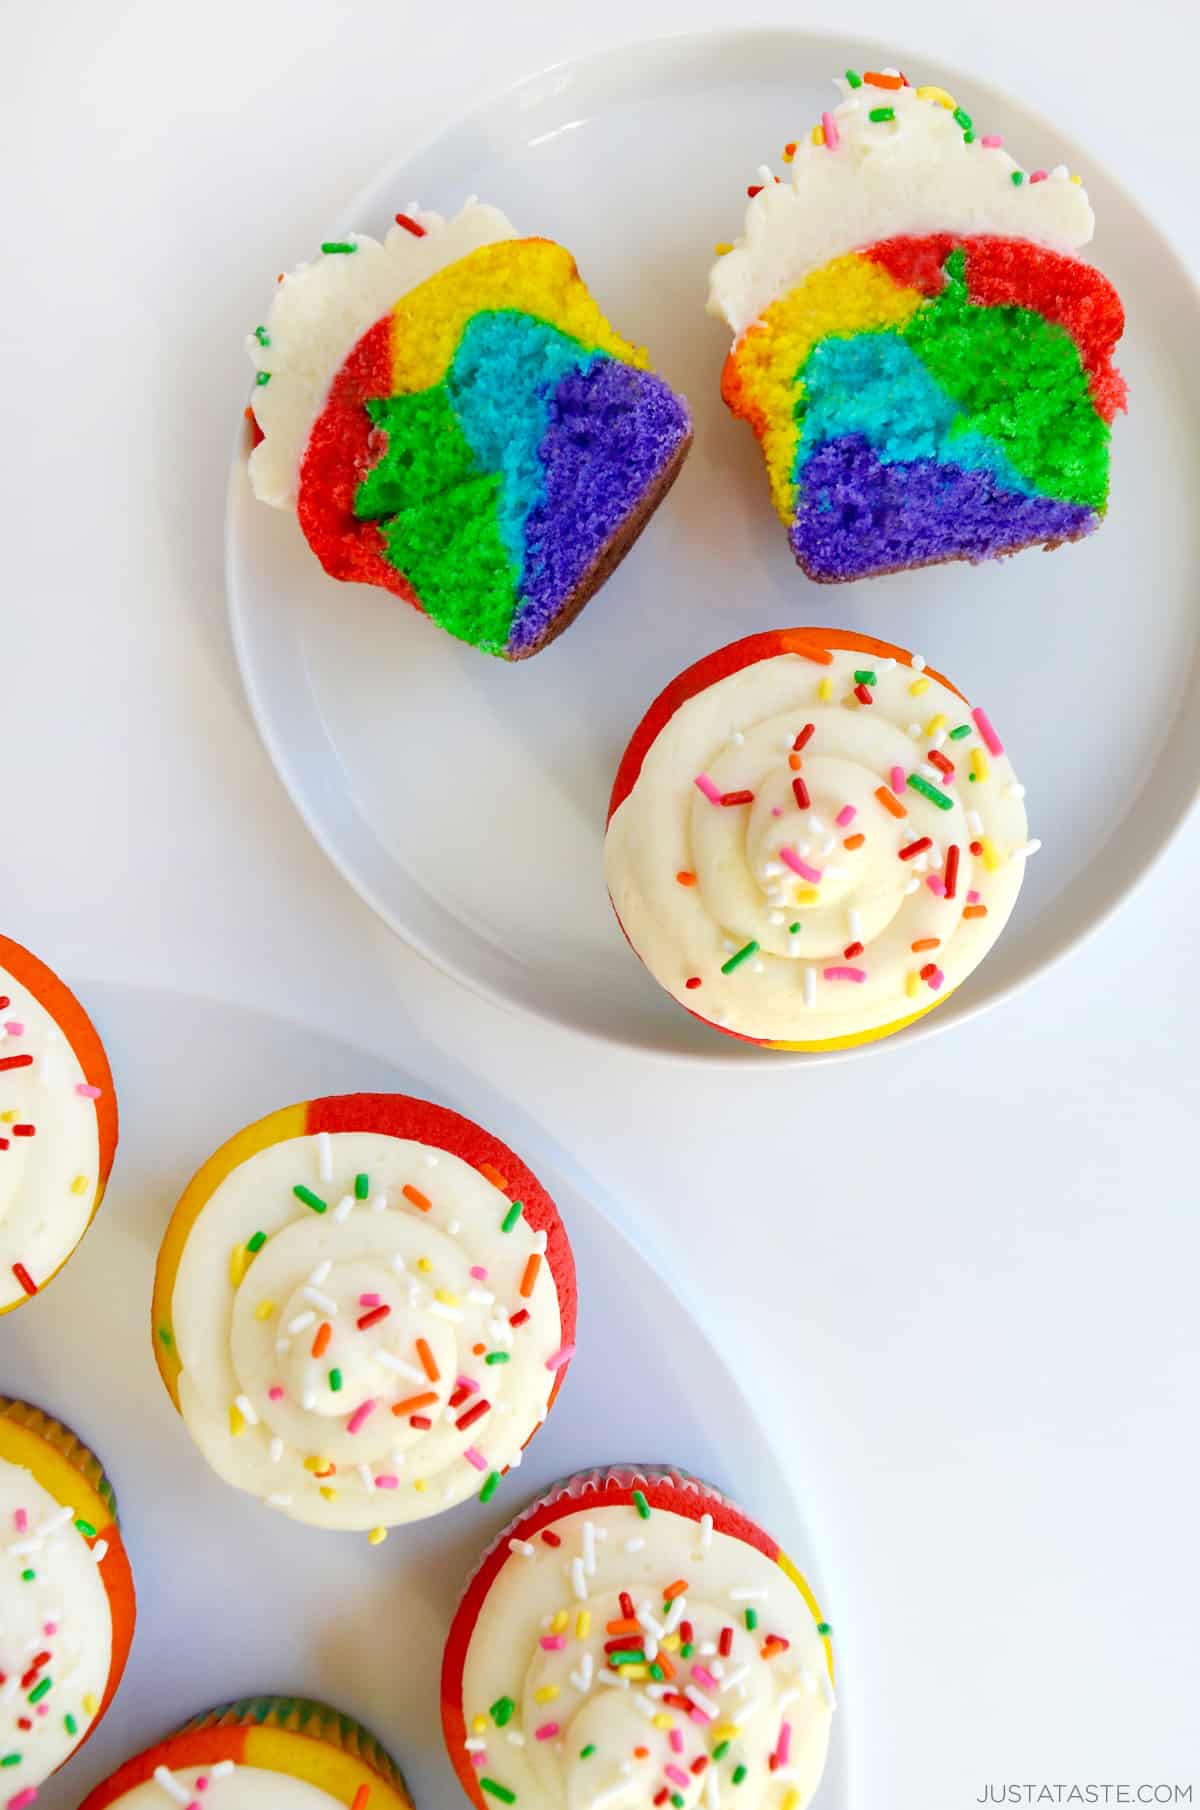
961 1276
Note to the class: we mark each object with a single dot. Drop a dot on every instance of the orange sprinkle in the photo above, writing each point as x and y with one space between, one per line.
412 1403
793 642
668 1670
362 1798
491 1174
678 1588
772 1647
925 942
789 152
530 1276
685 878
855 841
428 1362
975 911
624 1627
795 762
248 413
478 1350
873 77
890 802
320 1344
641 1753
417 1198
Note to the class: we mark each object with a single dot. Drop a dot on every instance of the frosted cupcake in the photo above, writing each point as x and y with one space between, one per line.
924 358
364 1308
452 418
66 1597
262 1753
813 839
634 1639
58 1124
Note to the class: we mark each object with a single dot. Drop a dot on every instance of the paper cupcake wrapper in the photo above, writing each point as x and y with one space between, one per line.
66 1444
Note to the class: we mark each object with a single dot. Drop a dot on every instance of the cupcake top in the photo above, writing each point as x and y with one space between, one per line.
54 1151
633 1634
889 159
814 836
363 1327
225 1786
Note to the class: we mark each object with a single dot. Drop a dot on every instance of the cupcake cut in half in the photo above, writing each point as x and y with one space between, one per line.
262 1753
58 1124
364 1308
636 1640
814 838
451 417
67 1604
923 357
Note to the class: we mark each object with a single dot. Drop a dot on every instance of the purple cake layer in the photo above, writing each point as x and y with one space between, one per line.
613 429
858 515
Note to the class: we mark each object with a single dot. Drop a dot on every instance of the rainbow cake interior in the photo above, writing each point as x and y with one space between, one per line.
490 449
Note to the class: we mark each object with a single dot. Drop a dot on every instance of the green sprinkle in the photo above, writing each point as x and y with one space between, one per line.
256 1243
641 1504
70 1724
630 1656
751 1619
362 1187
496 1357
657 1673
86 1529
511 1217
880 114
11 1759
262 377
853 77
501 1711
865 678
956 735
793 929
1018 177
262 336
739 1773
940 799
677 1800
823 1628
490 1486
335 1380
687 1649
28 1576
720 1750
585 1753
971 777
39 1690
742 955
309 1198
963 118
329 246
968 138
501 1791
164 1334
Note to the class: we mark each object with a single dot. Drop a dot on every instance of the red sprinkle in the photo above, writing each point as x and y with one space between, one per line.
915 848
699 1764
459 1397
24 1278
851 950
737 797
805 736
16 1062
660 1797
519 1318
687 1633
725 1643
756 188
24 1131
474 1413
693 980
863 694
421 1421
801 792
410 225
951 870
941 763
550 1537
626 1602
373 1318
977 848
928 969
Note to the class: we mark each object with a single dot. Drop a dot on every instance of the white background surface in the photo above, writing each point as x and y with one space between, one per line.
958 1279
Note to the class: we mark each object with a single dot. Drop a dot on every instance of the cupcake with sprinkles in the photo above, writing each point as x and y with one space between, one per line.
364 1308
58 1124
814 838
66 1597
261 1753
636 1640
452 418
922 354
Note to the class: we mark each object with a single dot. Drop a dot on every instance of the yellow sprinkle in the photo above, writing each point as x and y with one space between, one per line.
444 1295
547 1694
419 1483
90 1704
825 690
316 1464
558 1624
728 1731
583 1624
634 1671
377 1536
911 983
1077 179
424 1264
6 1118
265 1308
918 686
929 93
792 1800
329 1494
671 1642
991 859
239 1262
237 1421
817 135
979 766
807 895
479 1725
722 248
934 724
79 1185
662 1720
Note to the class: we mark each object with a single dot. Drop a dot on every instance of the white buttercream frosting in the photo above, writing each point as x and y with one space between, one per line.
226 1787
319 313
807 883
48 1176
55 1623
914 174
304 1419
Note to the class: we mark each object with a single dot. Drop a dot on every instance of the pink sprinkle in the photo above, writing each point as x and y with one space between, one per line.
370 1300
474 1456
936 979
676 1738
14 1027
784 1744
829 125
387 1481
846 815
88 1093
677 1775
478 1272
23 1798
791 859
22 1520
275 1392
844 973
983 723
546 1732
50 1627
43 1709
897 780
193 1805
702 1675
479 1761
464 1382
202 1782
972 897
711 792
552 1643
775 811
992 142
562 1356
698 1715
1038 176
361 1416
936 885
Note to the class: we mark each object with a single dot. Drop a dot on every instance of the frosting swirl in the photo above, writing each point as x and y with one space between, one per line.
225 1786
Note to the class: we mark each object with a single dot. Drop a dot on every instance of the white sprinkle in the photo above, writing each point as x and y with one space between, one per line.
937 738
275 1450
829 844
650 1622
929 773
737 738
614 1678
675 1614
918 663
379 1203
321 1273
302 1322
170 1784
578 1581
886 665
1026 848
365 1477
397 1365
834 873
854 920
747 1595
396 1460
914 729
343 1210
817 826
515 1738
326 1303
398 1263
454 1227
695 1695
975 823
524 1547
650 1648
635 1544
475 1744
283 1346
279 1501
245 1408
911 886
440 1309
1060 172
100 1551
1015 790
707 1649
432 1159
222 1770
480 1297
324 1157
706 1530
810 986
308 1400
775 917
589 1548
772 870
539 1242
735 1679
757 968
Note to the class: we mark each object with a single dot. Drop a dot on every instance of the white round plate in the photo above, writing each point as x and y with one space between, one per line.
465 799
234 1600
